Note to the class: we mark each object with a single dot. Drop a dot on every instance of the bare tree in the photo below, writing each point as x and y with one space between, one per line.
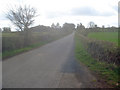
80 27
22 17
58 26
91 25
53 25
7 29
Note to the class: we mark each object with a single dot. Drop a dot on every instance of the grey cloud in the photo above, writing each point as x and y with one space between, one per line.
55 14
3 17
88 11
116 8
81 11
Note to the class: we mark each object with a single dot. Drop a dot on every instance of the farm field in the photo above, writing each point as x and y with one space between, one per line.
16 34
106 36
9 34
102 69
89 52
13 43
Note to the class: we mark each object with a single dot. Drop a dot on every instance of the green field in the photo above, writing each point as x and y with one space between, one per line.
108 72
106 36
9 34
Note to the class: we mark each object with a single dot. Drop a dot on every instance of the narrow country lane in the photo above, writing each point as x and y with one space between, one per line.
50 66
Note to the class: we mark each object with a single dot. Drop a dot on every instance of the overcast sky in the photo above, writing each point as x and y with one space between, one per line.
101 12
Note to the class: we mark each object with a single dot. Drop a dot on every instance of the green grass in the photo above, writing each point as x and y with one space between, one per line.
109 72
106 36
17 51
9 34
0 55
7 54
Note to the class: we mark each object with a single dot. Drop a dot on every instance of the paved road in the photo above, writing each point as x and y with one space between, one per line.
50 66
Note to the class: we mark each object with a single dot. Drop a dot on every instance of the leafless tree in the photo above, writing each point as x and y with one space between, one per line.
91 25
22 17
6 29
53 25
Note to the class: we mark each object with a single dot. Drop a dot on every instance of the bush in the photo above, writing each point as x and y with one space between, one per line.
15 41
101 50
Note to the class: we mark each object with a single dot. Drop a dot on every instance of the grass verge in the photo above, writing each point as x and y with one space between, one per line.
11 53
108 72
18 51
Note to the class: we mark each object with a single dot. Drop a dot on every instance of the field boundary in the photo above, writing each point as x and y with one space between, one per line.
12 53
109 73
